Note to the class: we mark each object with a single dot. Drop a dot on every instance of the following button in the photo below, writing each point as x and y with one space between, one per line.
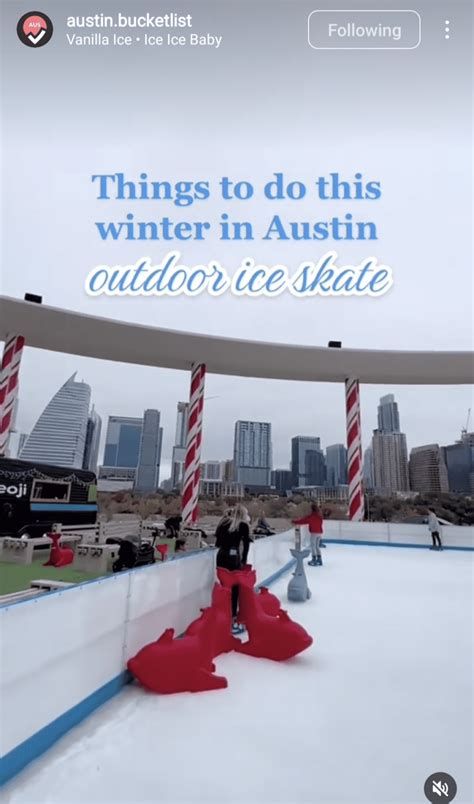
340 29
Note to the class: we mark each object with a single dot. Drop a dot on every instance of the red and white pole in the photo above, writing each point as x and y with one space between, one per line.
192 462
9 377
354 450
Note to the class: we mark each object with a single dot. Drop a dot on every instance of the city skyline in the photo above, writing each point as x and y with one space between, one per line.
281 446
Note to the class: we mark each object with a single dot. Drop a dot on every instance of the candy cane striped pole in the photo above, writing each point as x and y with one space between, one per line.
354 450
9 375
192 462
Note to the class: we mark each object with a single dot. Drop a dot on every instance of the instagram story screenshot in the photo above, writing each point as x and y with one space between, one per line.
236 409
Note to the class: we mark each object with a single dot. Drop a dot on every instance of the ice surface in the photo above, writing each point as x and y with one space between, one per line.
381 700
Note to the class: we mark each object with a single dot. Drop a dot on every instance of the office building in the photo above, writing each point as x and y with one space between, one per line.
228 471
91 450
179 448
59 435
300 445
181 424
149 458
212 470
281 480
387 414
177 467
459 461
221 488
315 468
253 454
336 465
389 450
390 462
122 442
324 494
427 469
368 469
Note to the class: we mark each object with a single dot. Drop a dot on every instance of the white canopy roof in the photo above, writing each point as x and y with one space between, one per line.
76 333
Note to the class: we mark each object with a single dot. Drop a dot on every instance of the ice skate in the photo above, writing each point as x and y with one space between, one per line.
237 629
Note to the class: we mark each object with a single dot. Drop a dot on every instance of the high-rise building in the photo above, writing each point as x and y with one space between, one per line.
388 416
228 472
459 460
390 462
149 458
389 450
282 480
59 435
177 467
91 450
368 469
181 424
212 470
300 445
336 465
315 467
122 442
428 473
179 449
253 453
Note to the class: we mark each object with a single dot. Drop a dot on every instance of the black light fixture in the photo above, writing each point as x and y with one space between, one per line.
334 344
31 297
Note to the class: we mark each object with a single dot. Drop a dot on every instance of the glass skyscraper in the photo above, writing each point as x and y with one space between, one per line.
181 424
336 465
300 467
179 449
122 443
253 453
91 450
388 416
389 450
148 469
59 435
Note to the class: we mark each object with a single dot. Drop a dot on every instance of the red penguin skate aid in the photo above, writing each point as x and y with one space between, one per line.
59 556
269 603
175 665
276 638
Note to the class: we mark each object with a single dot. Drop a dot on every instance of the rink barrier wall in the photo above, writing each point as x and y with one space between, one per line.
75 642
71 660
395 534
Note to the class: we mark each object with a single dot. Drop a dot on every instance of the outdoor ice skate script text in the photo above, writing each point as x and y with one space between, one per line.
172 278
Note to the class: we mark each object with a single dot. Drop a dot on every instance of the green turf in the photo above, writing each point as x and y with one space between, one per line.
16 577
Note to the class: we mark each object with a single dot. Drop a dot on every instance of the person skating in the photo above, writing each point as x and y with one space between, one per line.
434 527
232 543
315 522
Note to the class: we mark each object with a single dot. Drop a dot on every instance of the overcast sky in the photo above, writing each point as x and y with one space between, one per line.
263 102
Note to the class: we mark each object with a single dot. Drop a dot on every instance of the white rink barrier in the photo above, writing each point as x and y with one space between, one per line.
64 654
396 534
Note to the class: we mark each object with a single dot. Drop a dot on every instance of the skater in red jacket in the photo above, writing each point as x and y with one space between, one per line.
315 522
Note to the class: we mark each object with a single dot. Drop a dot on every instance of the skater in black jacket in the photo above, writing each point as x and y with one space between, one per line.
233 542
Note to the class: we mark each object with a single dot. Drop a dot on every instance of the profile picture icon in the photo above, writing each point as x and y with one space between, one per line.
34 29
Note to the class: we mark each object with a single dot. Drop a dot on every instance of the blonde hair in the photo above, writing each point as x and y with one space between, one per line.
239 515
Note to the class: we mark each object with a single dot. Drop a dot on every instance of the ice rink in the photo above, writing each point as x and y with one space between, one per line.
381 700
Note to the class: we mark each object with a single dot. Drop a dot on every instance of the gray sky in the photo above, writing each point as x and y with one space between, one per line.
263 102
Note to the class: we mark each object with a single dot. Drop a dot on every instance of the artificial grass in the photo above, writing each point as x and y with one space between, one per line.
16 577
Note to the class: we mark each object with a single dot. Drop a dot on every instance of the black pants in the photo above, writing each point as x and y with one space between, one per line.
226 561
436 538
